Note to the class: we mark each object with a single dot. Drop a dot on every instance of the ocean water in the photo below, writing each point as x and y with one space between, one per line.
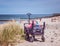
19 16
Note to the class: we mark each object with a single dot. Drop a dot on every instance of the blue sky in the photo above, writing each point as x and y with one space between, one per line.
32 6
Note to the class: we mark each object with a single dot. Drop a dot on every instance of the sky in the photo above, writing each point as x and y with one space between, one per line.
32 6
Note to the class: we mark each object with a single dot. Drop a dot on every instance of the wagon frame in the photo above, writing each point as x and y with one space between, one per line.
29 35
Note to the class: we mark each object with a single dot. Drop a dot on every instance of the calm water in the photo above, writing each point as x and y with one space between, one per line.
19 16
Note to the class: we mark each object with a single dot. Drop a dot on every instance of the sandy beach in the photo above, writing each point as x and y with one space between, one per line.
51 34
29 22
52 37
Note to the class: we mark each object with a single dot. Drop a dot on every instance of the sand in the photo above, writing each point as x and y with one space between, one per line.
52 36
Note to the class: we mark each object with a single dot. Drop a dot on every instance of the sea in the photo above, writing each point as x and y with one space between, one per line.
20 16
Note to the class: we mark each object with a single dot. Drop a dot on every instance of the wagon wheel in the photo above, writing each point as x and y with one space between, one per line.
26 37
31 39
43 38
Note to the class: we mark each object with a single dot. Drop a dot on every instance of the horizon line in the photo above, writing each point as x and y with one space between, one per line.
26 13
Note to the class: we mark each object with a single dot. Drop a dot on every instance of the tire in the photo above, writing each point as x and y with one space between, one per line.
27 37
43 39
31 39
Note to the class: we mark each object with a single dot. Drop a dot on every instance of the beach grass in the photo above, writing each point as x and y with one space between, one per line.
11 32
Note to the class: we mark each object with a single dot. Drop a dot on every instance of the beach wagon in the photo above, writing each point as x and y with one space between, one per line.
37 30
